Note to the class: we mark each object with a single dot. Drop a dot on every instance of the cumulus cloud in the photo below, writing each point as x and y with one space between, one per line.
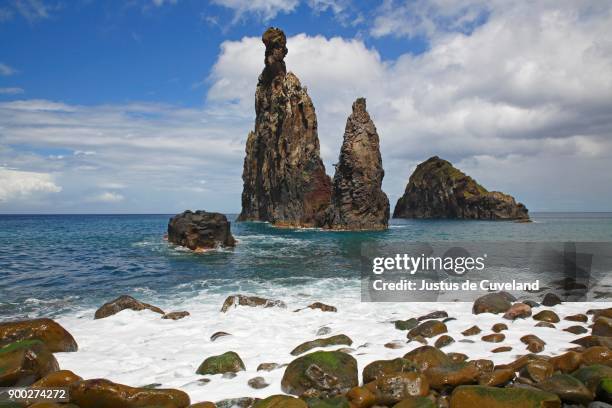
15 184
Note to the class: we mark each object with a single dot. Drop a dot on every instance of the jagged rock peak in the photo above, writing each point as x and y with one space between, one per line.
284 177
437 189
358 202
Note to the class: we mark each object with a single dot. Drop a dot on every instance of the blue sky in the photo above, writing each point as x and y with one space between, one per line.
144 105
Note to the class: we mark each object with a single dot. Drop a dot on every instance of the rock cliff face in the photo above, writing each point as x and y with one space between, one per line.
284 177
436 189
358 202
200 230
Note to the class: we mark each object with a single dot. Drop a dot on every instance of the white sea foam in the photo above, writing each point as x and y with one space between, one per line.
140 348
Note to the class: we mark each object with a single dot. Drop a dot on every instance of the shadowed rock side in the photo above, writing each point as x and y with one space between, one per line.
284 177
358 202
438 190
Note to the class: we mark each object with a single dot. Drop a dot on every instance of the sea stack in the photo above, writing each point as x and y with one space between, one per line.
358 202
200 230
284 177
436 189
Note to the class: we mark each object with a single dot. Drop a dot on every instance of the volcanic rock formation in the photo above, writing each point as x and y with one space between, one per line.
284 177
200 230
358 202
436 189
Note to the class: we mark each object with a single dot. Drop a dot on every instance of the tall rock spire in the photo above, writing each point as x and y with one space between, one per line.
284 177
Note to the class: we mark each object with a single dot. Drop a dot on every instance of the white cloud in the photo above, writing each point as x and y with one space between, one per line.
265 9
7 70
160 3
107 197
11 91
15 184
33 10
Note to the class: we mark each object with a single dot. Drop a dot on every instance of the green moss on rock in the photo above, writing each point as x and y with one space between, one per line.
229 362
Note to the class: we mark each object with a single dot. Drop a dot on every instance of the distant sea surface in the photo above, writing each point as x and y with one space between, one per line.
57 264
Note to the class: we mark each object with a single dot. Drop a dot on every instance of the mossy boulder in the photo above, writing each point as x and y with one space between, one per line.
229 362
337 340
568 388
280 401
380 368
25 362
406 324
492 303
100 393
425 357
592 375
493 397
604 390
322 373
56 338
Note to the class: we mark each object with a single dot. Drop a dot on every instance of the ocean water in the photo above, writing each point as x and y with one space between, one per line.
56 264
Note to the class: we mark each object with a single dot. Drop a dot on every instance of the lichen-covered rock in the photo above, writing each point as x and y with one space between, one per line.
25 362
250 301
436 189
121 303
380 368
229 362
55 337
200 230
336 340
321 374
493 397
284 177
358 202
492 303
100 393
391 389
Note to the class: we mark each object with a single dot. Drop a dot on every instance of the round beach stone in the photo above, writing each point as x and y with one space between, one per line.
427 329
229 362
547 316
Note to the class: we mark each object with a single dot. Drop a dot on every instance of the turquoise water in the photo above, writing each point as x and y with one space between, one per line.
60 263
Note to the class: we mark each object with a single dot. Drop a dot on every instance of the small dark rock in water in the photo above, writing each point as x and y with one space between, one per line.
494 338
204 381
219 334
577 318
502 349
546 324
472 331
602 327
531 303
568 388
339 339
518 311
547 316
576 330
258 383
449 319
429 328
533 342
323 331
323 307
200 230
493 303
394 345
550 299
268 366
418 339
251 301
499 327
175 315
440 314
229 375
467 341
406 324
443 341
228 362
245 402
122 303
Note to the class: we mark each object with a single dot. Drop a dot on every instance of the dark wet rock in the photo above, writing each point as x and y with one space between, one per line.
323 307
547 316
467 341
51 333
550 299
347 350
24 362
284 177
537 370
457 357
380 368
322 374
444 341
499 327
391 389
502 349
494 338
394 345
440 314
448 319
427 329
57 379
258 383
602 327
497 377
590 341
121 303
229 362
604 390
531 303
357 201
336 340
597 355
599 313
546 324
494 397
566 362
218 335
518 311
361 397
482 365
425 357
436 189
577 318
533 342
175 315
406 324
101 393
228 375
576 330
492 303
418 339
200 230
568 388
452 375
323 331
415 402
250 301
522 361
268 366
590 376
